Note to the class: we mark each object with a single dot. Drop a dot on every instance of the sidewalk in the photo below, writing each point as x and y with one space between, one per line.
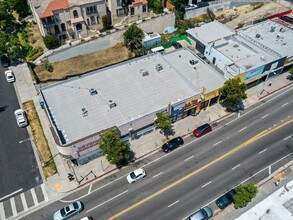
142 147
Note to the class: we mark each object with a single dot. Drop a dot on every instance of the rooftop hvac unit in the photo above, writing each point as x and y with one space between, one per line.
159 67
193 62
144 72
257 35
235 45
272 29
111 103
93 91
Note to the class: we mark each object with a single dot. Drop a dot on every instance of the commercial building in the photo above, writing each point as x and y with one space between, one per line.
257 52
127 96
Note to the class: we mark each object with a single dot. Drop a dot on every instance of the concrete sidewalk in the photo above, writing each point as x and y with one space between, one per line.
142 147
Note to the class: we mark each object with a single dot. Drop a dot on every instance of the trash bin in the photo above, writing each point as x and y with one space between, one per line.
42 104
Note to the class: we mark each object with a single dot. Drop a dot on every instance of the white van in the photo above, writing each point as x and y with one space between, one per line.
159 49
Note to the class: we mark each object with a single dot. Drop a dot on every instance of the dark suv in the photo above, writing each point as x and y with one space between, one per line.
5 61
226 199
172 144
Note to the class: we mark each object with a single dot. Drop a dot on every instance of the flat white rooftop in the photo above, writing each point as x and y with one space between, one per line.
273 36
243 53
135 95
211 31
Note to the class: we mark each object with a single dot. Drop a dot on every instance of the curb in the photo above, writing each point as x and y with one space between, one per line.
275 91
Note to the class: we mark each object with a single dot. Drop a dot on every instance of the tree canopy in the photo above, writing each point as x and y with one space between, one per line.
291 73
163 121
244 195
234 92
156 5
19 6
116 151
133 37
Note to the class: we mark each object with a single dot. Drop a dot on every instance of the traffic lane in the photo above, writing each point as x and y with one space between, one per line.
250 158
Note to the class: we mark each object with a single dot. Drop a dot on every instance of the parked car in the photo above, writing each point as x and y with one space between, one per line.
68 211
136 175
226 199
202 214
190 7
176 45
201 130
9 76
21 118
202 4
172 144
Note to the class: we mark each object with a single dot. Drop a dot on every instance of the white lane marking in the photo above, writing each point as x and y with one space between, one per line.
4 197
264 116
2 211
107 201
33 192
217 143
262 151
173 204
188 158
44 192
13 207
285 104
90 189
287 138
157 175
25 207
206 184
242 129
236 167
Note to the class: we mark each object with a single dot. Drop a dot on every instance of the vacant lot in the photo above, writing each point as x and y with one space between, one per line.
82 64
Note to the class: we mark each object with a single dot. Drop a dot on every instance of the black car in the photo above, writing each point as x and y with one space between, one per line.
5 61
176 45
226 199
172 144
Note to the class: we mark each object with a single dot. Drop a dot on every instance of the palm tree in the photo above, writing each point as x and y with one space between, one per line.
133 37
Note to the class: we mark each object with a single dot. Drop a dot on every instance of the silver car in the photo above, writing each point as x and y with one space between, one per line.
68 211
20 117
202 214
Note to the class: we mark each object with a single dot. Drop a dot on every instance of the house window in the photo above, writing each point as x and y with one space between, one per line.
144 8
75 14
91 10
56 28
79 27
132 11
93 20
63 27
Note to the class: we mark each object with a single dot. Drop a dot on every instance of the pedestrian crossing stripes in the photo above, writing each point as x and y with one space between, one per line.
19 204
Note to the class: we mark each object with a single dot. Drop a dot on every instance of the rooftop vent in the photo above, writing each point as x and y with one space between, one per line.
257 35
159 67
93 91
193 62
144 72
111 103
235 45
272 29
84 112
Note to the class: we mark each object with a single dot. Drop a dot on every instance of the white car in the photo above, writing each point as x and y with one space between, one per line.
21 118
68 211
9 76
136 175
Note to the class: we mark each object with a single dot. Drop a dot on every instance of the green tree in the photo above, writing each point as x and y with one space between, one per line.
233 92
49 67
5 15
163 122
20 6
179 10
133 37
244 194
156 5
9 45
51 41
116 151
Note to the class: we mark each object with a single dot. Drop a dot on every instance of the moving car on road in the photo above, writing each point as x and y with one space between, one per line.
201 130
172 144
9 76
226 199
202 214
68 211
21 118
136 175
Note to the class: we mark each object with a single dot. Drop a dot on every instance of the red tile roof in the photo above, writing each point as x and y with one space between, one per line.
55 5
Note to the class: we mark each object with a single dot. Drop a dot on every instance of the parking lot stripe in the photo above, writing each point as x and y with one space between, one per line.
2 211
44 192
33 192
13 207
23 202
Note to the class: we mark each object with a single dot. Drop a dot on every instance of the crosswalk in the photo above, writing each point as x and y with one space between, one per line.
17 205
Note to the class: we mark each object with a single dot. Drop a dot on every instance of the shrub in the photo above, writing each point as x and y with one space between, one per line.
245 193
51 41
49 67
35 56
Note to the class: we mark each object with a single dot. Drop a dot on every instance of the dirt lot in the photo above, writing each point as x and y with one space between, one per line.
244 15
34 35
44 153
82 64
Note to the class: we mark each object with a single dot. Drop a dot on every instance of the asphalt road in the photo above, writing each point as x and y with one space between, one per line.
19 171
179 183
